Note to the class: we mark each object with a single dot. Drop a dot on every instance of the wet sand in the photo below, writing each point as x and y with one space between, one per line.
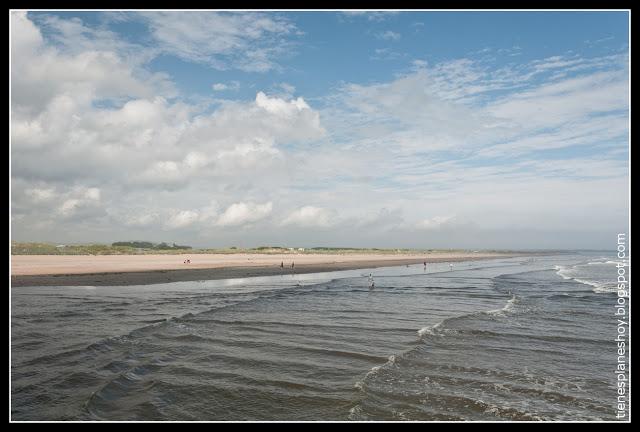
118 270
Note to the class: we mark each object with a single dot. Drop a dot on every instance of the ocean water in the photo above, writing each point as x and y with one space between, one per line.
508 339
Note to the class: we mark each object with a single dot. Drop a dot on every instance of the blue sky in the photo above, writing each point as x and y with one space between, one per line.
412 129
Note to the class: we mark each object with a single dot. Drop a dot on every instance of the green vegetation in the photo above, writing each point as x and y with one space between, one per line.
117 248
134 244
164 246
142 247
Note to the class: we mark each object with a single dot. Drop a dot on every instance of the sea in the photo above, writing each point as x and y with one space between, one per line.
510 339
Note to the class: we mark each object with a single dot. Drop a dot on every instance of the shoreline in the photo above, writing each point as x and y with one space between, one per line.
222 271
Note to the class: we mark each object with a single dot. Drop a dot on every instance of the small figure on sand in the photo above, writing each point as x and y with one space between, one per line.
292 264
282 264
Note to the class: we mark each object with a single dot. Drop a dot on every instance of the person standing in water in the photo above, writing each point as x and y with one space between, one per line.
425 266
450 267
371 283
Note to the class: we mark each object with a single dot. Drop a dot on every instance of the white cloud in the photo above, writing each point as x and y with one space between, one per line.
92 194
419 64
41 194
78 140
182 219
310 216
42 72
25 36
436 222
287 88
140 220
162 173
280 107
386 54
69 207
389 35
95 134
244 213
231 86
80 202
248 41
376 16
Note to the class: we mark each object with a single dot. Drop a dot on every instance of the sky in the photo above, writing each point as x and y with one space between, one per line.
433 129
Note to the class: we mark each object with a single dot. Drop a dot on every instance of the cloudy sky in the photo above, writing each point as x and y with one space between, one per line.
370 129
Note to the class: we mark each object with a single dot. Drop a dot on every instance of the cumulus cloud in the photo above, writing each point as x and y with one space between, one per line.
280 107
39 195
42 72
94 132
80 202
182 219
25 36
244 213
140 219
79 138
310 216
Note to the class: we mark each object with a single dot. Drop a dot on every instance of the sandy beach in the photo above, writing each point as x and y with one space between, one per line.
101 270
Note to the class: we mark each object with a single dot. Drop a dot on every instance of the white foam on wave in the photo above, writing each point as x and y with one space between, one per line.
429 330
597 286
590 283
608 288
562 271
374 370
355 412
506 308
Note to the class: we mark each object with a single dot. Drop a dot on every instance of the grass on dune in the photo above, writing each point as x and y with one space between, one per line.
120 249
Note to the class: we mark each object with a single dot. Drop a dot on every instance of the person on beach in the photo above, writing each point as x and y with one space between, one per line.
425 265
281 264
292 264
371 283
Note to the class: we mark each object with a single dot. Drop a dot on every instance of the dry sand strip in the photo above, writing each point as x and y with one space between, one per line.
117 270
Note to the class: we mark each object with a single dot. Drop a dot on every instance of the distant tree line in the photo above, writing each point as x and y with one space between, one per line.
149 245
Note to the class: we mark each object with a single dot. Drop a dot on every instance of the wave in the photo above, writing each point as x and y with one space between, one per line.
562 270
438 328
506 308
432 330
391 361
429 330
569 273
